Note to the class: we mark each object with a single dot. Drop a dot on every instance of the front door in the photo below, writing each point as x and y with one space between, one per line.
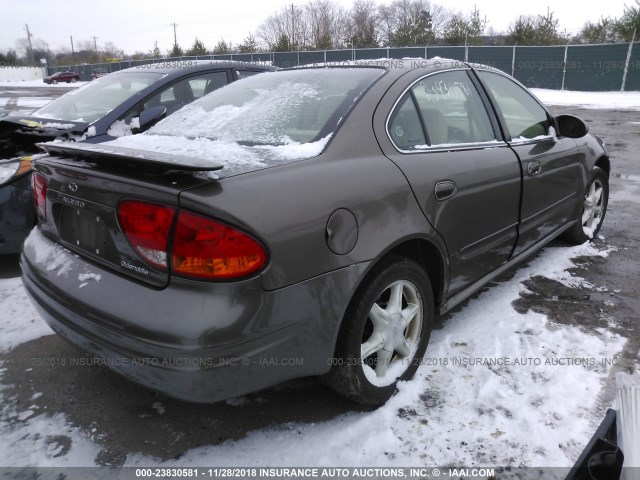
550 165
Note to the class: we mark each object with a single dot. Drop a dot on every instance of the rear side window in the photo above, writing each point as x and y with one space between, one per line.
405 127
440 109
523 116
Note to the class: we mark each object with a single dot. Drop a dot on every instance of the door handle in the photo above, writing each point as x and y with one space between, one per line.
534 168
445 189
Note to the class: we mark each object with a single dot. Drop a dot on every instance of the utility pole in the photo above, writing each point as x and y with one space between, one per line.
95 44
33 61
175 37
73 52
293 26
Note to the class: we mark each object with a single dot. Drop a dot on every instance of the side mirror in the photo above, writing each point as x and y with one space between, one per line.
570 126
151 116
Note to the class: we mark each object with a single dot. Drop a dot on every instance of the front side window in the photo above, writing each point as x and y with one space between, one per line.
523 115
186 91
447 107
180 94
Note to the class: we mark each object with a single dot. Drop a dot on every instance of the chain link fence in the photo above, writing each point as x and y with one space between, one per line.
608 67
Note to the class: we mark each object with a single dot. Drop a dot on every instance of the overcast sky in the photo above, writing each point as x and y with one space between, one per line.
135 26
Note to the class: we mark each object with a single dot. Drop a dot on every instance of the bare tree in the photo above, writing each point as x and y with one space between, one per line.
326 24
285 23
362 25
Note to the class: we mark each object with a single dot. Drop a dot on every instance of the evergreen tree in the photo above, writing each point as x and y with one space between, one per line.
629 22
222 48
197 48
248 45
176 51
602 32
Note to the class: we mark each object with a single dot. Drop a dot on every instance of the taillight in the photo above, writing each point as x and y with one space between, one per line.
203 248
39 187
147 227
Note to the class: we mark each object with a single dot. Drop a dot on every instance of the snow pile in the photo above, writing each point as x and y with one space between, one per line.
233 156
608 100
120 128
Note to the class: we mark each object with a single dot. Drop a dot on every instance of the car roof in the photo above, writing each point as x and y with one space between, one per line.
398 67
406 63
179 67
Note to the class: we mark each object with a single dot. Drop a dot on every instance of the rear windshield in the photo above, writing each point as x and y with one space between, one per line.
95 100
275 108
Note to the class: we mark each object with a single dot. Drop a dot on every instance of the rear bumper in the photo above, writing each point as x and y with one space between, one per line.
17 216
196 341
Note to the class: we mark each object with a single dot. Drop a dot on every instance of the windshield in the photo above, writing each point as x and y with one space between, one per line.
276 108
95 100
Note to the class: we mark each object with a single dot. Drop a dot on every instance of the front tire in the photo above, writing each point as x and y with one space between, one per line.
54 81
74 80
385 332
593 209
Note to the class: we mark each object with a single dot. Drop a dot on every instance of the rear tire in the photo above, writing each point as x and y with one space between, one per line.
385 332
593 209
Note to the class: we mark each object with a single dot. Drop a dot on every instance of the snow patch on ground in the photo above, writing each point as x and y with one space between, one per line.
45 441
39 83
19 321
608 100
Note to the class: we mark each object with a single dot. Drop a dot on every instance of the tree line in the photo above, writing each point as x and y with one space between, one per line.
325 25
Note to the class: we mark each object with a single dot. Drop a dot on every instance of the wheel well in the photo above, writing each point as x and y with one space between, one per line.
428 257
604 164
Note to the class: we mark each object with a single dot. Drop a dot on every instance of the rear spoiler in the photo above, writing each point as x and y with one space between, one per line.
86 151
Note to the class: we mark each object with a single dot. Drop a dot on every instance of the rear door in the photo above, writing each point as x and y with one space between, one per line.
551 165
465 178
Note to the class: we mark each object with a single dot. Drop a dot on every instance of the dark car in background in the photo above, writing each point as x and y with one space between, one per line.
98 72
67 77
122 103
304 222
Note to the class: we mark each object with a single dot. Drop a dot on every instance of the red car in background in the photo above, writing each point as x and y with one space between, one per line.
69 77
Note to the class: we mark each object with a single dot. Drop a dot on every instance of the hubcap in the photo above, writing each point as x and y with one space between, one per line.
593 208
392 333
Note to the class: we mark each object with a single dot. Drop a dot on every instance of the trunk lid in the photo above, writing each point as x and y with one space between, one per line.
85 185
